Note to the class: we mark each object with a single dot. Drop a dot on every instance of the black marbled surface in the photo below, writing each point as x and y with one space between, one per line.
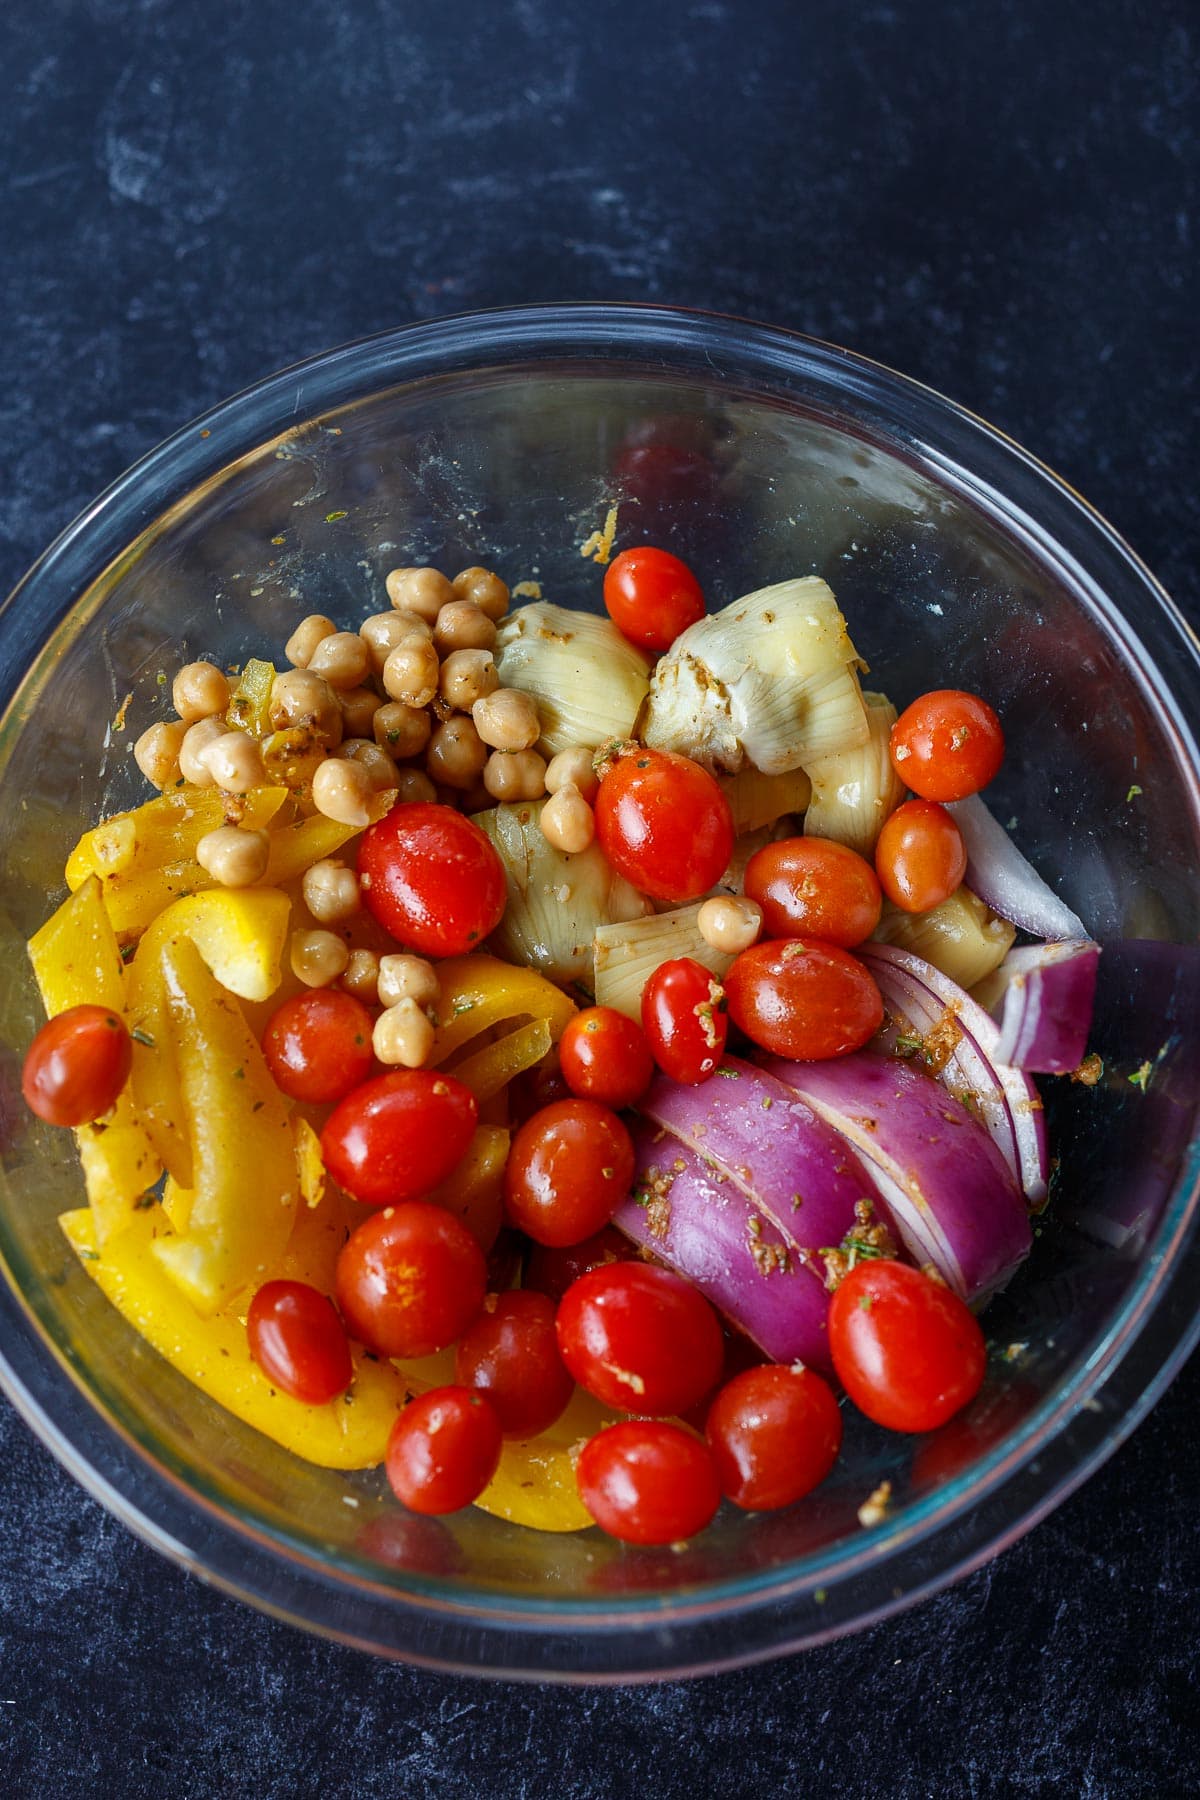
1001 201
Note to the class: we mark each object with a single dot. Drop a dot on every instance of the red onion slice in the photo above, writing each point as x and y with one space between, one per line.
1005 880
1044 995
949 1191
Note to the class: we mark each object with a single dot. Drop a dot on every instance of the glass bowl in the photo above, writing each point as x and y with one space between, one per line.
503 438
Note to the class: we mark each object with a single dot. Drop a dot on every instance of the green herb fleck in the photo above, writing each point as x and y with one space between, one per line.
333 517
1141 1077
257 1107
728 1074
464 1006
145 1201
239 1074
865 1302
1133 793
142 1037
820 1596
767 1103
89 1256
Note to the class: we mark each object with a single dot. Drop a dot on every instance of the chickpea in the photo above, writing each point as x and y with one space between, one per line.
568 823
456 754
414 784
467 676
198 691
377 763
331 891
341 791
300 698
342 658
383 631
235 762
408 978
461 626
234 857
411 672
403 1034
575 767
730 923
361 977
507 720
422 592
156 753
359 706
514 775
482 589
304 640
401 730
318 957
291 758
196 740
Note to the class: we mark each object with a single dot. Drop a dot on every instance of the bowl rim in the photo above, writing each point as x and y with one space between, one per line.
1127 1369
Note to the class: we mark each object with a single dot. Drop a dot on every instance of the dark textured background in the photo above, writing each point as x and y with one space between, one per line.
1000 200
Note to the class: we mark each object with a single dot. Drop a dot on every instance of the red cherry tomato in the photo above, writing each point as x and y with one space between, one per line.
298 1341
920 857
552 1269
431 878
605 1057
907 1351
409 1280
651 596
318 1045
664 824
947 745
813 887
800 998
77 1065
510 1356
640 1338
397 1136
443 1450
648 1482
683 1017
569 1168
774 1434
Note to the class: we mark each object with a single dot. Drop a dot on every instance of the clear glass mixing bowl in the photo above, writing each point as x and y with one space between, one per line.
503 438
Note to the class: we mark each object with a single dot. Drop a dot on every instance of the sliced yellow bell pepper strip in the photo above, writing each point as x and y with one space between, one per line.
161 832
76 961
492 1068
478 992
475 1191
535 1482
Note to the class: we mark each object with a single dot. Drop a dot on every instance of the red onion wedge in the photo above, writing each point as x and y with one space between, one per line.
948 1191
1006 1100
1005 881
1042 996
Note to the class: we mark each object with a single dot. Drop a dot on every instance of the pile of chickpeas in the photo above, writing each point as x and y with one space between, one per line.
410 704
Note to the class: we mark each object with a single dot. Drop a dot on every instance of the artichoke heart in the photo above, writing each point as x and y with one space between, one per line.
961 937
853 791
589 681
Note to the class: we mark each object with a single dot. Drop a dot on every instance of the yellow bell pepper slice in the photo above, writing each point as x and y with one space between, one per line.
76 961
535 1482
161 832
475 1191
245 1184
492 1068
479 992
296 847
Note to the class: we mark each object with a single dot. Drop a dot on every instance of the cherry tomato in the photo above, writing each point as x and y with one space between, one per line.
947 745
684 1019
298 1341
800 998
510 1356
774 1434
920 858
907 1351
664 824
318 1045
648 1482
813 887
651 596
443 1450
398 1135
552 1269
605 1057
569 1168
639 1337
409 1280
431 878
77 1065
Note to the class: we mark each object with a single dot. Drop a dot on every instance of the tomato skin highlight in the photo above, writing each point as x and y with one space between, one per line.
803 999
605 1057
907 1350
947 744
684 1020
76 1066
640 1338
651 596
318 1045
664 824
569 1168
443 1450
510 1356
395 1137
431 878
298 1341
551 1270
920 857
410 1280
647 1482
774 1434
814 887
